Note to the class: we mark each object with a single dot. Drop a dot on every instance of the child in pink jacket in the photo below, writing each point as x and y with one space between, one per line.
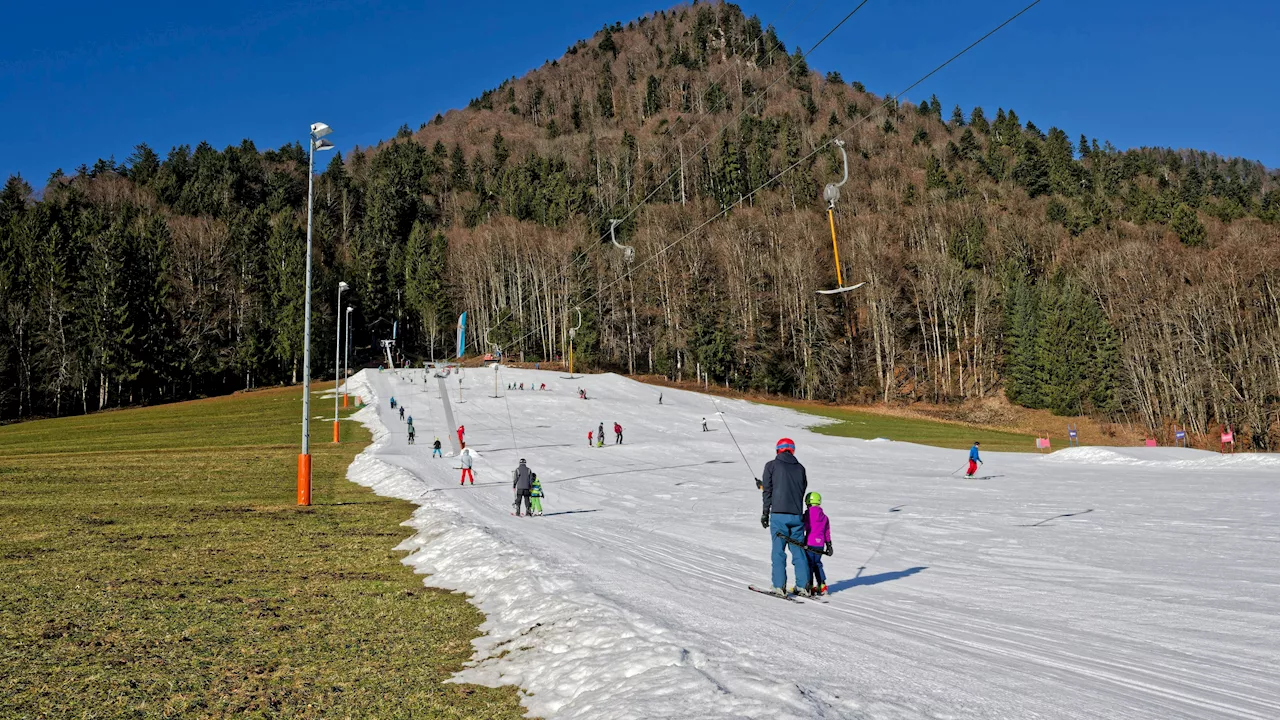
818 540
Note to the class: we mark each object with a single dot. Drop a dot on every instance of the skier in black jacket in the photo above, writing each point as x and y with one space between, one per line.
522 481
785 484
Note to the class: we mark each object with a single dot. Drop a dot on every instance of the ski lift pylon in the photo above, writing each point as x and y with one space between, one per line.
831 193
573 333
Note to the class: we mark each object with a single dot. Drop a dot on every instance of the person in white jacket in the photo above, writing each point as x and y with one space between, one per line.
466 459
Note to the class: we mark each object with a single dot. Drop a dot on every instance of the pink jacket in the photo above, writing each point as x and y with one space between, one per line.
819 527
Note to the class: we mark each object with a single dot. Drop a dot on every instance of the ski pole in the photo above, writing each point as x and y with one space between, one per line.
797 543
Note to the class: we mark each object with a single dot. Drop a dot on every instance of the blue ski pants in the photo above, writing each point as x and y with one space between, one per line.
818 576
791 526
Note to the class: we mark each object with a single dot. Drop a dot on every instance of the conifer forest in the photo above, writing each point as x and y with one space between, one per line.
1141 286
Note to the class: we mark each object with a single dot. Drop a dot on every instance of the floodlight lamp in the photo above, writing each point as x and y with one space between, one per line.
343 286
322 145
319 130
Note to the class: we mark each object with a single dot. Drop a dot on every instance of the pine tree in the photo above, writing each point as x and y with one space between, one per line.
957 117
1186 224
1032 172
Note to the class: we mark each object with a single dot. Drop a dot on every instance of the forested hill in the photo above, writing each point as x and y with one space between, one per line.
999 257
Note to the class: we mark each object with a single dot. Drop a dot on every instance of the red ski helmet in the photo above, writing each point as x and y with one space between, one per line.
786 445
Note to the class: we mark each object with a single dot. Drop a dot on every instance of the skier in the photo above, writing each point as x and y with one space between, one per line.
435 448
412 435
536 495
542 387
410 421
600 435
590 438
704 425
522 481
461 430
819 542
466 467
617 433
393 402
659 398
401 413
974 460
785 483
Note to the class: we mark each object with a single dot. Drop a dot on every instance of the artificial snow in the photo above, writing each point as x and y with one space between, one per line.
1087 583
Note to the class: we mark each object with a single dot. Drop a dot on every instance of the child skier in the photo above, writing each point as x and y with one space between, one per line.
435 449
401 413
590 438
704 424
412 435
818 542
600 436
535 495
393 403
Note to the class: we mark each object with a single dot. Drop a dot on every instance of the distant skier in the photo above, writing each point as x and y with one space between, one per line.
435 449
543 386
600 436
704 425
785 483
590 438
819 542
522 481
659 398
536 495
617 434
412 435
410 421
401 413
461 431
974 460
466 459
393 402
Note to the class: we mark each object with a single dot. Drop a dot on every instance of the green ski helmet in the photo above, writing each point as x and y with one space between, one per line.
813 498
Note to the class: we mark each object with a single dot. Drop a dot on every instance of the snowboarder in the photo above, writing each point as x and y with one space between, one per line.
974 460
412 435
522 481
466 458
536 495
590 438
819 542
785 483
617 434
401 413
704 424
435 449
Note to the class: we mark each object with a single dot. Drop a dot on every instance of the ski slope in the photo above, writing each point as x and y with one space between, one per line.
1089 583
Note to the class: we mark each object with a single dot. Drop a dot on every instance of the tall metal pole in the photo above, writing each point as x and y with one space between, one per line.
337 364
304 460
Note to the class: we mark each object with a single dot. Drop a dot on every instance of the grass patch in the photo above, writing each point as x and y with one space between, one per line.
153 563
867 425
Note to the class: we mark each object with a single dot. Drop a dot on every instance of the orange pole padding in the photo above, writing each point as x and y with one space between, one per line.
344 399
335 431
831 216
304 480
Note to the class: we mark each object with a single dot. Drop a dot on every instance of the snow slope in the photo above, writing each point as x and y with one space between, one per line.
1069 585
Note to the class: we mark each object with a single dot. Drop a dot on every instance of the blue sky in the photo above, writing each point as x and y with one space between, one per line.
82 80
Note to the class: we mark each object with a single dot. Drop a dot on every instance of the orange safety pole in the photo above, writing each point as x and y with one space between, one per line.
304 479
344 399
335 431
831 216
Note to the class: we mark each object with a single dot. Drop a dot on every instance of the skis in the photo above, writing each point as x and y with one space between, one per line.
837 291
771 593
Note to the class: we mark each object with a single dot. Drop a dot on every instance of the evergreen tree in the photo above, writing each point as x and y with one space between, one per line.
1032 172
957 117
1186 224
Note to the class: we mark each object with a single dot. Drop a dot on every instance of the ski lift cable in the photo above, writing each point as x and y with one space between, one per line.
797 163
720 412
747 106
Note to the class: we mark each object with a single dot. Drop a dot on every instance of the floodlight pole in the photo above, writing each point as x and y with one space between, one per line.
346 354
318 130
337 362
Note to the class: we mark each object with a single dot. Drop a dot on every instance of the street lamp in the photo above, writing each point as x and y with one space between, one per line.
346 354
337 361
318 131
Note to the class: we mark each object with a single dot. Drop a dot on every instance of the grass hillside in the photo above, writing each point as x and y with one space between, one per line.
154 564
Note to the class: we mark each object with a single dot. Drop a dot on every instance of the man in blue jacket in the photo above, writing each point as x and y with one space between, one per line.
785 484
974 460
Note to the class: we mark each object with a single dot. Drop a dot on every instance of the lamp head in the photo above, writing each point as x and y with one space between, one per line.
319 130
321 145
343 286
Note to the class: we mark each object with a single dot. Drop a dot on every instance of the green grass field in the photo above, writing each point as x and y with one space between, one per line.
856 424
153 563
